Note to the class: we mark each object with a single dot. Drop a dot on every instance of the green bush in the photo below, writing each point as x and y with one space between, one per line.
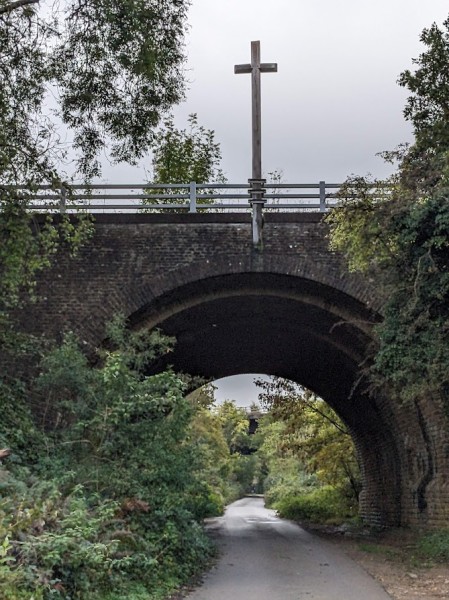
435 546
323 505
287 489
110 507
215 505
287 479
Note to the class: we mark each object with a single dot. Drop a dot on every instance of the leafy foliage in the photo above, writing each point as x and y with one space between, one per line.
434 546
425 165
306 454
228 462
112 67
18 429
105 71
113 500
321 505
286 477
399 235
307 429
212 451
185 156
242 447
28 247
234 423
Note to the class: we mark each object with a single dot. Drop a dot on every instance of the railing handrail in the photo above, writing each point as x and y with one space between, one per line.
277 196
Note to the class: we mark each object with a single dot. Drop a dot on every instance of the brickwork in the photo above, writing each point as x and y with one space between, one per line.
291 309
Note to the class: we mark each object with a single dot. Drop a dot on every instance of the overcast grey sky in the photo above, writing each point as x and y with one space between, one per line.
333 104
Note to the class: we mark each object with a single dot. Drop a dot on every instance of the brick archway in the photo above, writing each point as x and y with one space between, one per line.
296 328
291 309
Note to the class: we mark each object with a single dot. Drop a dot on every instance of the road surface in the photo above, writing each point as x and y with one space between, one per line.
266 558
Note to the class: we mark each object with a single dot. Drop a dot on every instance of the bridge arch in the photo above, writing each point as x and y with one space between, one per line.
287 325
290 309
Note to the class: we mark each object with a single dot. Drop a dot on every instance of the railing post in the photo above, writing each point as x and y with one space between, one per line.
62 200
192 207
322 196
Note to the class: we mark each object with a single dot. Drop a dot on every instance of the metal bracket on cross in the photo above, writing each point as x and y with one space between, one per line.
257 201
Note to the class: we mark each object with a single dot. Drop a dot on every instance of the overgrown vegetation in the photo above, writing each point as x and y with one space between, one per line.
397 231
110 471
98 497
107 72
301 456
325 504
229 465
308 459
107 499
107 484
434 546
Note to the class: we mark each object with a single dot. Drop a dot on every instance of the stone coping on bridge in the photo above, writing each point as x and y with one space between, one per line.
124 219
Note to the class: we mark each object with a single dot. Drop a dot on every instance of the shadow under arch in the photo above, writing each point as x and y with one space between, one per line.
292 327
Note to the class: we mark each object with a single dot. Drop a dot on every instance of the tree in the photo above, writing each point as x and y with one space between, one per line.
281 472
304 428
185 156
234 422
213 461
230 463
425 165
400 236
113 68
106 71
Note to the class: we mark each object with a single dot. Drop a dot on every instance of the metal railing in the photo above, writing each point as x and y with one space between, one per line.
193 197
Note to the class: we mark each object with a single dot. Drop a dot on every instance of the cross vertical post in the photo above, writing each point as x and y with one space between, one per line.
256 182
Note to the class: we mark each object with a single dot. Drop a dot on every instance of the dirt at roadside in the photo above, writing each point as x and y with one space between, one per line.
391 560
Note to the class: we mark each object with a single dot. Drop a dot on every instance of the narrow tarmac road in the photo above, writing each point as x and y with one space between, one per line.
266 558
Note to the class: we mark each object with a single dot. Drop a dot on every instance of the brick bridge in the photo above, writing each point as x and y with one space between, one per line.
291 309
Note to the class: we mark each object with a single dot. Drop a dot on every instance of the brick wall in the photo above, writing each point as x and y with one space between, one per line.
291 309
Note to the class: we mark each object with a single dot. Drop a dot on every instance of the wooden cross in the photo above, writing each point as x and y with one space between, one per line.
256 68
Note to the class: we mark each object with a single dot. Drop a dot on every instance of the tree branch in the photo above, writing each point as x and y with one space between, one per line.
8 8
327 418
